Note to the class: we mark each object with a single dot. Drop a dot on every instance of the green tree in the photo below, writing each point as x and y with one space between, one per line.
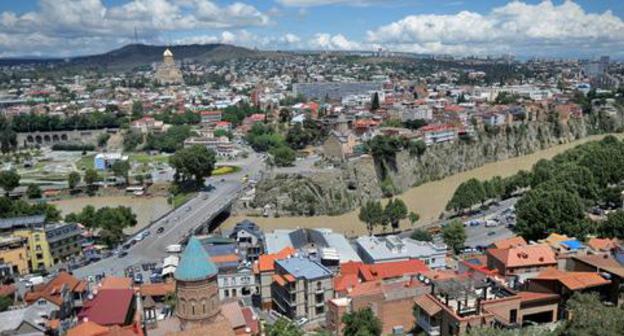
413 217
131 139
137 109
421 235
121 168
91 176
193 165
8 136
33 191
467 194
361 323
283 156
614 225
454 235
102 139
395 211
545 210
9 180
284 115
5 303
375 102
589 317
372 214
417 147
73 179
284 327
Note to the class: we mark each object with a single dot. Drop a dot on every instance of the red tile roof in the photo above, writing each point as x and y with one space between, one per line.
266 262
6 290
524 256
602 244
88 328
510 242
535 296
111 282
51 291
573 280
603 263
157 289
109 307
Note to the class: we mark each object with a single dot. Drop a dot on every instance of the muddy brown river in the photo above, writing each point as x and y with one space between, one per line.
428 199
146 208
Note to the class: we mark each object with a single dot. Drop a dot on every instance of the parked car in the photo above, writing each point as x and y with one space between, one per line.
160 230
123 254
138 278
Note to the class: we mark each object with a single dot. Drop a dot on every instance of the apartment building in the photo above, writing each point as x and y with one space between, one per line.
64 240
14 254
301 288
392 248
38 249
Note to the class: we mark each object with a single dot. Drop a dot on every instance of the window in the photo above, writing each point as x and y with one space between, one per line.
513 316
226 293
234 292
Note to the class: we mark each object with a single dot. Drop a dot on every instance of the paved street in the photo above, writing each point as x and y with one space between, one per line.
178 223
481 235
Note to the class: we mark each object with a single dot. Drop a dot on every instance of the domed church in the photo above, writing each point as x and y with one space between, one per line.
168 72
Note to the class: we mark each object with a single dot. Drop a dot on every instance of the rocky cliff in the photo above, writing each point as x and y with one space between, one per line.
344 188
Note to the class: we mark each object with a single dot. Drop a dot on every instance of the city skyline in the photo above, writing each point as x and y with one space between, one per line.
522 28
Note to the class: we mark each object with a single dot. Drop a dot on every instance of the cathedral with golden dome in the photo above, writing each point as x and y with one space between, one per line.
168 72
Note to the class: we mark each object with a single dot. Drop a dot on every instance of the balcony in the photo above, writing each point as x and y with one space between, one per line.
431 330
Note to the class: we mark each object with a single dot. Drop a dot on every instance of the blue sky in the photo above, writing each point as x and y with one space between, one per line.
558 28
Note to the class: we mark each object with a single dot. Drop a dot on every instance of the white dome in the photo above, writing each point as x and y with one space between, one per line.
168 53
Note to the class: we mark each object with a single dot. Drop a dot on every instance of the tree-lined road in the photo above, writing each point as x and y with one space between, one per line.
178 223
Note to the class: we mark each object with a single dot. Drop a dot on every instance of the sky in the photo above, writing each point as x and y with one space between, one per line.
524 28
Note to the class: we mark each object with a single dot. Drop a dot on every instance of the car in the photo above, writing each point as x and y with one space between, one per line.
222 180
123 254
491 233
160 230
188 208
138 278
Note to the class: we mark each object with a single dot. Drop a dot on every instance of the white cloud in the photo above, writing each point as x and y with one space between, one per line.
333 42
246 39
310 3
516 27
95 24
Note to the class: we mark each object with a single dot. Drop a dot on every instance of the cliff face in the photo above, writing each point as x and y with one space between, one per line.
344 188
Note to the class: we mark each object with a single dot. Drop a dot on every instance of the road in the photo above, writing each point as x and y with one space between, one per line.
178 223
481 235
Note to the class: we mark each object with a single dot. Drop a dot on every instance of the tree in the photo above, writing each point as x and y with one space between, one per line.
33 191
137 109
131 139
91 176
413 217
372 214
121 168
375 102
284 115
102 139
467 194
589 317
110 221
417 147
614 225
283 156
395 211
5 303
73 179
284 327
550 209
421 235
193 165
361 323
454 235
9 180
8 136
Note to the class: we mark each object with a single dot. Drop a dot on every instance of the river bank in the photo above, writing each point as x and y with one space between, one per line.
146 209
428 199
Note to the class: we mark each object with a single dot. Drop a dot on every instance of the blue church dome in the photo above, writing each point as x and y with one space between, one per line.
195 263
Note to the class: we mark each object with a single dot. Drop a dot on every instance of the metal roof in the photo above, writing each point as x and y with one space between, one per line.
195 263
301 267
